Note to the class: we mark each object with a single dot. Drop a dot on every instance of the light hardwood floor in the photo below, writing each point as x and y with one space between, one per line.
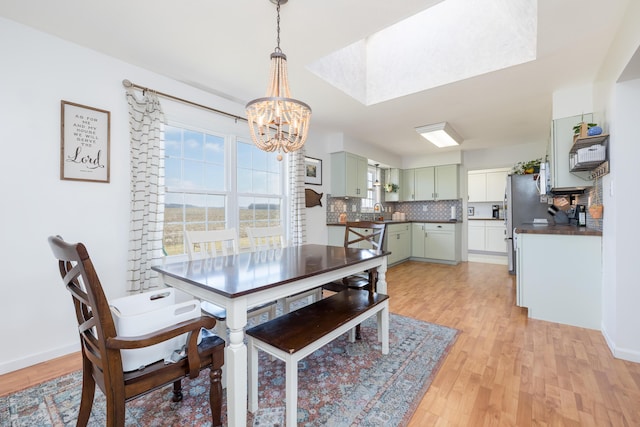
503 370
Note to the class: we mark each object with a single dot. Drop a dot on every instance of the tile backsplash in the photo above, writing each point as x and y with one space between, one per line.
415 211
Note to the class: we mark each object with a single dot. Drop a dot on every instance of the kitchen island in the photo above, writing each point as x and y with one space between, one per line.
559 274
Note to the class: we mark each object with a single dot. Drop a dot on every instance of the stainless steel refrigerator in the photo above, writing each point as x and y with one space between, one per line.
522 205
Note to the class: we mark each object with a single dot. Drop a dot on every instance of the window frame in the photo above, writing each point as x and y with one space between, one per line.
232 137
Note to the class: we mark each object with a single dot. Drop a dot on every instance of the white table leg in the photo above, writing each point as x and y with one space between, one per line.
381 287
236 362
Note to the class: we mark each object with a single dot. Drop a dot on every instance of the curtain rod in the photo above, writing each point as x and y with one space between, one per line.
126 83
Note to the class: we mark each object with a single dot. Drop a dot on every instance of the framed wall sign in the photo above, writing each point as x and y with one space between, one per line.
312 171
84 143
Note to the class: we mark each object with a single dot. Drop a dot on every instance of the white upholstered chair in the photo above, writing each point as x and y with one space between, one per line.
264 238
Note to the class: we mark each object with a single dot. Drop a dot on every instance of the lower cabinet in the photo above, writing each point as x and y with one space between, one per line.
435 241
487 236
559 278
398 242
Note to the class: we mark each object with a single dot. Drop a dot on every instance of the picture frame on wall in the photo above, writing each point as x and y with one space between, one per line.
312 171
84 143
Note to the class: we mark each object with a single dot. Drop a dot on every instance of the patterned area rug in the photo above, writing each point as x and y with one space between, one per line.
342 384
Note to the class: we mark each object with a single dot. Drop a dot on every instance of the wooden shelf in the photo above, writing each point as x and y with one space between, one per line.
588 142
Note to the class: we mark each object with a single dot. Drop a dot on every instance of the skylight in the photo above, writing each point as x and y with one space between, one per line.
451 41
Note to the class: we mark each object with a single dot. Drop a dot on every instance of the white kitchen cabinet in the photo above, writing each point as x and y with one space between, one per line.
476 235
430 183
487 185
477 186
559 278
495 236
398 242
487 236
348 175
496 184
436 241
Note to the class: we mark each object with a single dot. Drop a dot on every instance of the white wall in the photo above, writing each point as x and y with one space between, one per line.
621 105
38 71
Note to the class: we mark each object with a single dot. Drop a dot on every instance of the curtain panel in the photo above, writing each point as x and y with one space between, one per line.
146 130
297 216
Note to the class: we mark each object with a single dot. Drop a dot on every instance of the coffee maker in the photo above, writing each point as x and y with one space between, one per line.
495 211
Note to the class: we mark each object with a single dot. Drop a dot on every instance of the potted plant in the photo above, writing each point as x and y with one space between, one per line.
524 168
391 188
581 130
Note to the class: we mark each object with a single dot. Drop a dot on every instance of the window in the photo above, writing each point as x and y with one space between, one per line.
215 181
366 204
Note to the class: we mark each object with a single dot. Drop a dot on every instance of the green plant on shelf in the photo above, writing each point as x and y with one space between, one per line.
391 188
523 168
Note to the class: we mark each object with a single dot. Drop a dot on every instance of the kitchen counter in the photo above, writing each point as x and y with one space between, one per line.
422 221
486 219
568 230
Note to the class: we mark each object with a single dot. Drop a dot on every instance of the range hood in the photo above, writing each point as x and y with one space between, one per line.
565 191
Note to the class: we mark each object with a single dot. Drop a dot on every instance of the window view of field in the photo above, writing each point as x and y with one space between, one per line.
177 219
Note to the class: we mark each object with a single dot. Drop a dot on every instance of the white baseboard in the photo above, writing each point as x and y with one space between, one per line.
487 259
34 359
620 353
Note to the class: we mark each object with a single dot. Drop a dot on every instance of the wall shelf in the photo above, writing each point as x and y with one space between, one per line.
589 153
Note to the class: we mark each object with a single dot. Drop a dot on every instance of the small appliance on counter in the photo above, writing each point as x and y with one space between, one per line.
495 211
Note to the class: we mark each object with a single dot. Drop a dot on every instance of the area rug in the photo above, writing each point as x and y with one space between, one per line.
342 384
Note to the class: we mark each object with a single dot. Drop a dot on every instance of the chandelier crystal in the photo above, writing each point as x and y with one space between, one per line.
278 122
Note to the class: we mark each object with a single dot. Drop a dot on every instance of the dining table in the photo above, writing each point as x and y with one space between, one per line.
237 282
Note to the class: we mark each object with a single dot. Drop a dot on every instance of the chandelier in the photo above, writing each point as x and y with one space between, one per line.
278 122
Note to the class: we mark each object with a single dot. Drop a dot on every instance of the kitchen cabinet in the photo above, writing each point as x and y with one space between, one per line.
430 183
348 175
398 242
487 236
559 278
335 235
436 241
487 185
392 176
476 236
495 236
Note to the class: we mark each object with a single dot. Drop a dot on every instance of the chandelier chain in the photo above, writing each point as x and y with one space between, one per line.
278 27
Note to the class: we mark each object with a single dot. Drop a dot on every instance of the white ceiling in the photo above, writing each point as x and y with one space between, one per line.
224 48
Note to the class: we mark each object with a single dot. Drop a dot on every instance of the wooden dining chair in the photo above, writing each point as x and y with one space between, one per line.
102 347
365 235
212 244
265 238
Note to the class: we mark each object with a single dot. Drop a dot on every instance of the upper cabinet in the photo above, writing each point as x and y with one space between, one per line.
430 183
487 185
348 175
392 176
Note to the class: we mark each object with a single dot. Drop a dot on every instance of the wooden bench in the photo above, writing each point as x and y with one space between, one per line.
295 335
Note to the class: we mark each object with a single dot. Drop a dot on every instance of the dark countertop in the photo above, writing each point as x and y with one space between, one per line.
486 219
569 230
427 221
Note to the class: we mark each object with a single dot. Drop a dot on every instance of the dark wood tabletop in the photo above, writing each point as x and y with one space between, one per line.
245 273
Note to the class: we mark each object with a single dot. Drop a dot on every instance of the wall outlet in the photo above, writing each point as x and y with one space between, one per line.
332 208
424 208
353 208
